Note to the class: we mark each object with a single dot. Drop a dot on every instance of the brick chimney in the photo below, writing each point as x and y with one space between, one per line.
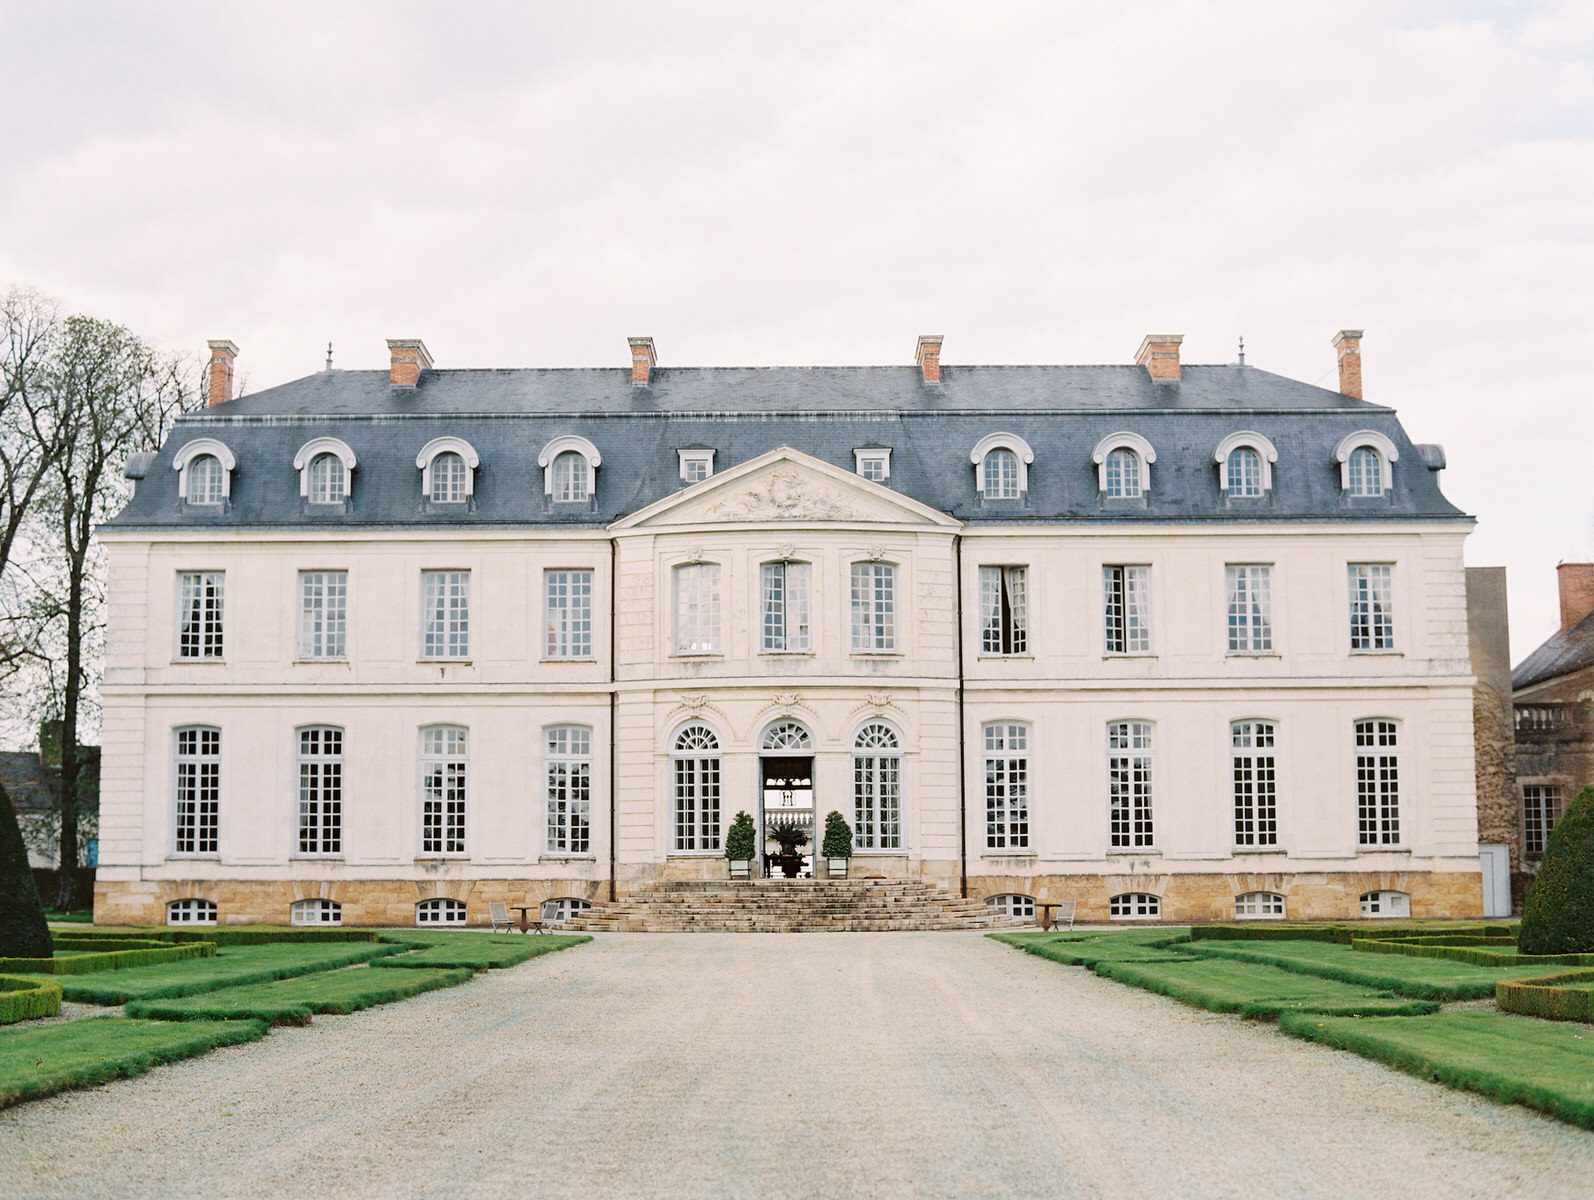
1577 592
928 355
222 353
1159 354
644 357
409 359
1349 344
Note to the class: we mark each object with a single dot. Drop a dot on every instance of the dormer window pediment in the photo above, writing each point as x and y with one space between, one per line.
324 465
1366 461
569 469
1245 464
1001 466
448 470
1123 465
204 469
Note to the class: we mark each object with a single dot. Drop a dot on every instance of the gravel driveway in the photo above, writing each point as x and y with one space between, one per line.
767 1066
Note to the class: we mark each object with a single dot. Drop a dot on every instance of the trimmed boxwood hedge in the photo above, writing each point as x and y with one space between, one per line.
75 943
23 999
1342 934
1567 997
111 960
239 935
1477 955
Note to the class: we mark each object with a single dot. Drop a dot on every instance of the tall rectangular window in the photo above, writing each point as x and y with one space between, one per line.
1129 784
567 614
200 595
567 753
1377 783
446 614
1004 610
1541 809
323 614
1126 596
321 791
697 802
198 781
1006 786
877 789
785 590
1250 607
1254 771
1372 606
697 608
874 606
443 765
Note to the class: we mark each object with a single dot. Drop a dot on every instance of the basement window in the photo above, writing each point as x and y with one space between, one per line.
1013 904
1386 904
1135 906
191 912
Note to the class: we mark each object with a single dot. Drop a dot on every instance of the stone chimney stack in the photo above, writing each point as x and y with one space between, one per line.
1577 592
928 355
1159 354
1349 344
222 353
644 357
409 359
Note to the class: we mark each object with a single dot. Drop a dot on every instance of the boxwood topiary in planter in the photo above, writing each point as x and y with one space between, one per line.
838 837
741 843
1558 917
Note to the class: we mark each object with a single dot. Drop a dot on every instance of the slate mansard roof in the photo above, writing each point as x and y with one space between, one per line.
1062 412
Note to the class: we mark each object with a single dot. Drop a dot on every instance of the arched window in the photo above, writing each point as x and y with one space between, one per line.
566 479
204 469
448 470
324 464
786 736
1013 904
1001 475
1257 905
1386 904
443 789
190 912
448 479
1245 463
205 480
1245 472
1366 460
556 912
1364 474
567 758
1001 466
695 772
440 911
1135 906
877 788
1123 474
1123 465
571 480
316 912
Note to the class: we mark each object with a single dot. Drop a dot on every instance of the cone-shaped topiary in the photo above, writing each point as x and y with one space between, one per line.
741 843
838 837
23 933
1558 917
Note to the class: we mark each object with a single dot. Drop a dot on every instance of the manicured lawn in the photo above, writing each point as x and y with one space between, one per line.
1418 978
1086 950
232 966
481 951
1255 990
1514 1060
291 1001
46 1059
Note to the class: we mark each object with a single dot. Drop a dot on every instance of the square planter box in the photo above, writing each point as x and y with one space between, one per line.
836 868
741 868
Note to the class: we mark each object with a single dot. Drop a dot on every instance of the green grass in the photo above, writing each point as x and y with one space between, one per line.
1086 950
231 967
1343 932
24 999
46 1059
77 916
1416 978
71 959
1509 1059
1255 990
480 952
291 1001
235 935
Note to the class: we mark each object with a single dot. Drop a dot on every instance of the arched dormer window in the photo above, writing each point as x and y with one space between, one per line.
324 465
1245 464
1366 459
569 468
448 470
1123 465
204 469
1001 466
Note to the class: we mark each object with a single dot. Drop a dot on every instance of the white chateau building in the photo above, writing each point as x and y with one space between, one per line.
1177 642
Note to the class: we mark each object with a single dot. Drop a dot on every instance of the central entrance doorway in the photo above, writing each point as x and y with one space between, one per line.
786 800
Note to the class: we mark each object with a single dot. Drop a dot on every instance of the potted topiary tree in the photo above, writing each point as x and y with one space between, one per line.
837 846
1558 914
790 836
741 843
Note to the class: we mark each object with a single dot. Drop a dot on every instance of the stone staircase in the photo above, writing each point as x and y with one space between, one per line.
791 906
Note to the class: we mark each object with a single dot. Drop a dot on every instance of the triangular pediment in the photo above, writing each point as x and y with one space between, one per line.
786 485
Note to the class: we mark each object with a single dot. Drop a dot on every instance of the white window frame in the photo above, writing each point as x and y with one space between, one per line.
318 823
877 788
873 464
572 478
324 615
1251 440
696 595
444 791
1542 807
1259 906
873 590
696 465
569 444
697 782
310 453
314 910
567 794
1371 587
785 606
196 792
1385 450
1126 609
1135 906
448 445
449 913
1006 759
191 910
199 448
1253 782
1131 786
1249 589
1001 441
1014 904
567 612
1386 904
445 615
1142 450
563 908
201 616
1379 771
1004 611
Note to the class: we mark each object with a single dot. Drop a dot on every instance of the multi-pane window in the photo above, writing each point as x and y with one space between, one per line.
440 911
199 601
316 912
877 789
1364 472
874 465
567 614
207 480
1129 784
697 608
323 613
1121 477
198 781
1013 904
1541 809
447 474
1254 770
785 588
1372 606
567 753
1377 783
572 477
1126 605
1253 905
1001 475
321 791
874 606
1244 472
1132 905
190 911
329 479
696 767
1386 904
443 763
696 465
1250 589
1004 610
445 598
1006 786
564 909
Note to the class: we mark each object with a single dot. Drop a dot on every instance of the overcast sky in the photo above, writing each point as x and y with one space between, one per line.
527 184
